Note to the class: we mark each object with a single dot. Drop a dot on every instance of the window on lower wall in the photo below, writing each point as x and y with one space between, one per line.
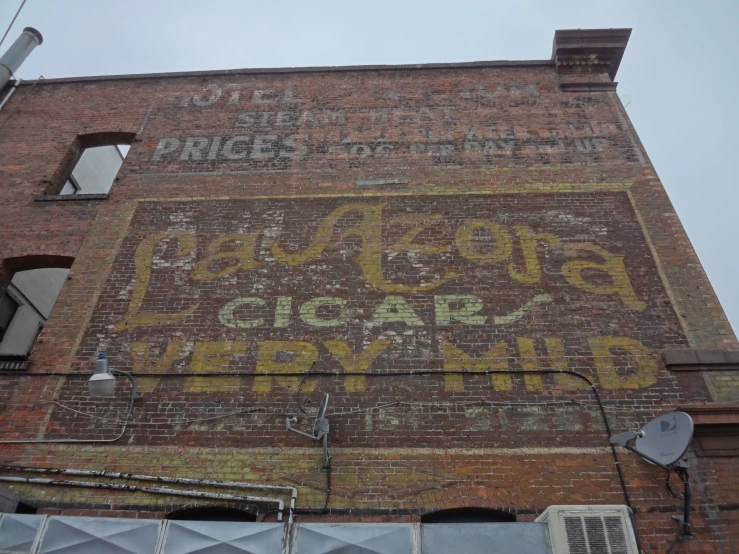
468 515
8 309
25 306
95 170
208 513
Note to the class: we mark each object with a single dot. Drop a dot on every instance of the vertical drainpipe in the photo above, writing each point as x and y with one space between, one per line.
12 59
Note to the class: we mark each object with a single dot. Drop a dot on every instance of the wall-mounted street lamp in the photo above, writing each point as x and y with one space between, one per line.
102 382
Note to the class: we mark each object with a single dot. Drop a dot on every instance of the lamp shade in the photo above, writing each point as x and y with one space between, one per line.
102 384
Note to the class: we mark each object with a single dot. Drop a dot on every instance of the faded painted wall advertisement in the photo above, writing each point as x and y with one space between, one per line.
478 282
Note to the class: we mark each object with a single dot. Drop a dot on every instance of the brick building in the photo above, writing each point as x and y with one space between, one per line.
454 253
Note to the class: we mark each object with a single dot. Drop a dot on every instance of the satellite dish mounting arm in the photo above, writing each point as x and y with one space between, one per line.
680 467
320 428
623 440
289 421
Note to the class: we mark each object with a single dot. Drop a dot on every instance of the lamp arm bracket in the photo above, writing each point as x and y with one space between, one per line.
288 424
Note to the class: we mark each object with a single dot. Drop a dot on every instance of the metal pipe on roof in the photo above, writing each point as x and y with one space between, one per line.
152 490
29 39
10 93
175 480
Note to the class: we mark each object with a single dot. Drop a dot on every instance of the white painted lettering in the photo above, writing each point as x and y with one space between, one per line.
165 146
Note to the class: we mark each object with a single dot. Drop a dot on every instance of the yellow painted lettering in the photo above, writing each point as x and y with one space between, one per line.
239 254
143 257
531 273
369 231
463 308
394 309
227 315
309 309
465 241
417 223
637 375
355 362
214 356
530 362
494 359
285 357
612 265
558 362
144 363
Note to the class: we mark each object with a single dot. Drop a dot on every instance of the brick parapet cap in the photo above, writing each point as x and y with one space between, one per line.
712 414
701 360
595 51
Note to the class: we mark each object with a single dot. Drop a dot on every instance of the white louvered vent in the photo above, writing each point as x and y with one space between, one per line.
589 529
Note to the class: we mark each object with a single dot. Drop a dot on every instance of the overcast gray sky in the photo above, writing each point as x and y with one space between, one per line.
679 77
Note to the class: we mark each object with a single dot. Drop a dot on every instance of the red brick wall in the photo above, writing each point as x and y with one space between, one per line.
451 220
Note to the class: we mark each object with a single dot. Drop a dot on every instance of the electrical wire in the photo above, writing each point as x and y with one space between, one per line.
140 423
347 412
420 373
669 488
617 463
83 441
300 387
447 404
328 485
20 102
11 23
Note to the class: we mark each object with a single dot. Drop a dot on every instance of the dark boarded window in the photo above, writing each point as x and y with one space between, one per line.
207 513
468 515
8 307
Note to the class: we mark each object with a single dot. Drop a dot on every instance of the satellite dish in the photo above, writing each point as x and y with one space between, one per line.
666 438
320 428
663 442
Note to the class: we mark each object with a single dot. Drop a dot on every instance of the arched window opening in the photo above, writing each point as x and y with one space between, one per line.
92 163
211 513
468 515
24 508
25 306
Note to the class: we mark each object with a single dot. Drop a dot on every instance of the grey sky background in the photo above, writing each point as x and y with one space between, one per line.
679 77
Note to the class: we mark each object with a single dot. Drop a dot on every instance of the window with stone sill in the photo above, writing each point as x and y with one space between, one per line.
89 167
95 171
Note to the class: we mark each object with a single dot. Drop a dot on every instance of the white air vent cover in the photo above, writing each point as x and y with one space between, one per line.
589 529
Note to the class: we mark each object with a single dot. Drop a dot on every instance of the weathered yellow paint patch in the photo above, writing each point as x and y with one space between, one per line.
558 362
493 359
298 356
369 231
214 356
227 315
143 362
462 308
531 272
612 265
353 362
530 362
645 373
308 311
143 259
241 252
394 309
465 244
